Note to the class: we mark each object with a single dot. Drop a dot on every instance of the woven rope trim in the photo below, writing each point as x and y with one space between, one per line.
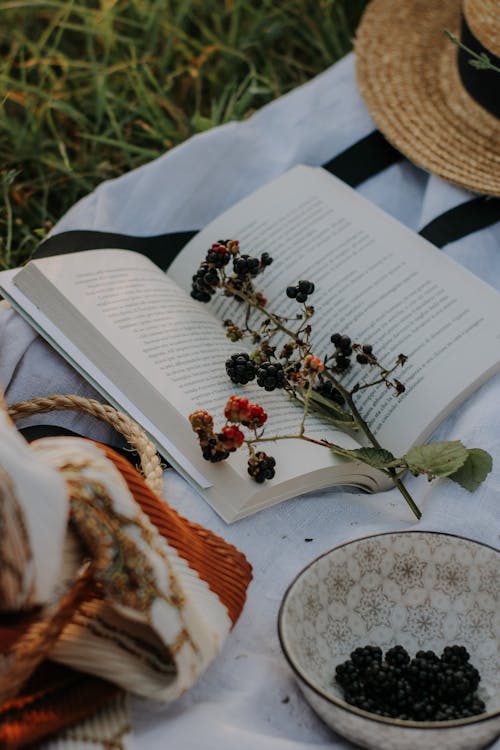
135 435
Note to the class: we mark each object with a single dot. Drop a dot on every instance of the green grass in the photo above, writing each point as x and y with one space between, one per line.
89 90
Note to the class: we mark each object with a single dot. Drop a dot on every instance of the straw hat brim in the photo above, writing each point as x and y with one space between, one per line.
407 74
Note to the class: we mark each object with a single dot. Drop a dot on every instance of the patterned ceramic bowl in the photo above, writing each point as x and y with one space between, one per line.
424 590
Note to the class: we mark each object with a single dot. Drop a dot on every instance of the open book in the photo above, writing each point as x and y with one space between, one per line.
156 353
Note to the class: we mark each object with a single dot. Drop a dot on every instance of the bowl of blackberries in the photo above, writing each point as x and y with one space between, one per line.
394 640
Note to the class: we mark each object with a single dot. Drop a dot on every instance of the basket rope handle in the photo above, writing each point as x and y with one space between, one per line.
135 435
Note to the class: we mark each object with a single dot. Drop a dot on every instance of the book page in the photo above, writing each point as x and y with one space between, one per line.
377 282
157 345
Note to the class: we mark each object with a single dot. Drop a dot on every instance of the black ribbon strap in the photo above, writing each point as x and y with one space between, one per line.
162 249
362 160
36 432
483 85
466 218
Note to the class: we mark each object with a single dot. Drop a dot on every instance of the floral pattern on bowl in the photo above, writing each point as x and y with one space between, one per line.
424 590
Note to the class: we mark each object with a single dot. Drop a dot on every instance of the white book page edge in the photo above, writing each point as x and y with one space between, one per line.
96 377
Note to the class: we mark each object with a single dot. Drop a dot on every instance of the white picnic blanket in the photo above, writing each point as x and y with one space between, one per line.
248 698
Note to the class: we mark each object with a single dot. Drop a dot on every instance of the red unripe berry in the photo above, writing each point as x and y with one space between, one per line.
218 247
255 416
231 437
236 408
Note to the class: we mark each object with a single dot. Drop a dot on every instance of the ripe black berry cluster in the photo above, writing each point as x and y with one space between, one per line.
240 368
265 260
343 351
211 275
271 375
219 254
213 452
365 356
425 688
261 467
300 291
245 265
204 282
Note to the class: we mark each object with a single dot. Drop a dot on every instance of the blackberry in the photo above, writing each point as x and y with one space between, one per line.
346 672
367 348
218 255
365 656
204 282
455 655
398 656
362 359
213 452
270 375
403 696
425 675
244 265
306 287
342 362
201 295
343 351
345 342
240 368
265 259
261 467
300 291
425 688
427 656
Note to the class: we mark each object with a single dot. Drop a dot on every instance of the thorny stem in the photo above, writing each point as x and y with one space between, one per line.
317 441
403 490
373 440
382 379
277 322
307 397
348 397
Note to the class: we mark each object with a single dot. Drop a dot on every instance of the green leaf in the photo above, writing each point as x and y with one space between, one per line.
437 459
376 457
475 469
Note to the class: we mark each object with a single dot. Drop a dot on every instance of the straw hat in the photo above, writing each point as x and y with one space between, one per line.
422 92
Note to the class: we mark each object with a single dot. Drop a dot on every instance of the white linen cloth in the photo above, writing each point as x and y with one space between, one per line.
248 699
